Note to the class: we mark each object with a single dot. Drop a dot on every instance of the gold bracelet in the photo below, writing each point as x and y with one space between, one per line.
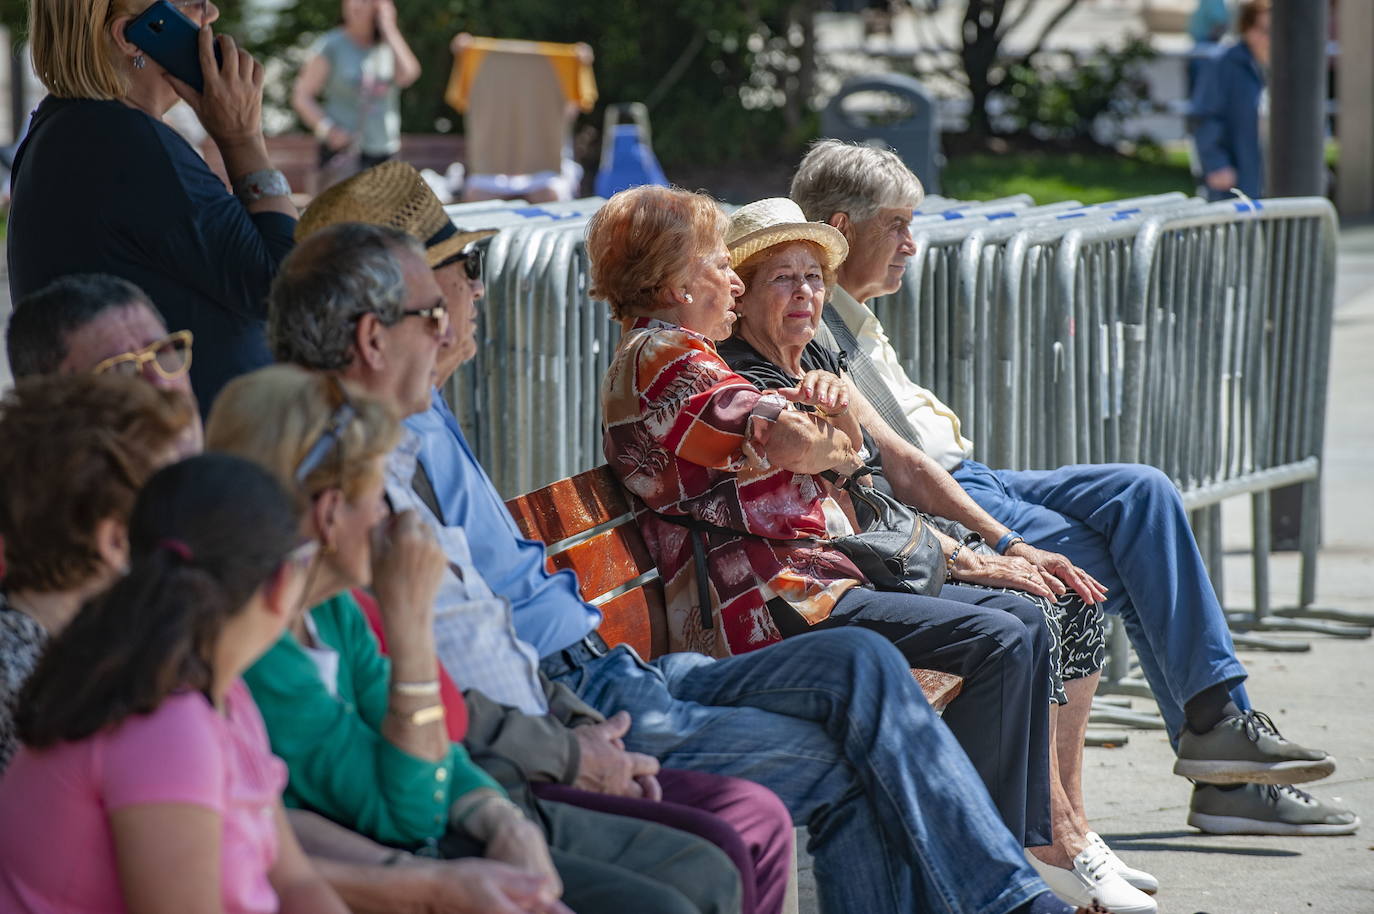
416 689
427 715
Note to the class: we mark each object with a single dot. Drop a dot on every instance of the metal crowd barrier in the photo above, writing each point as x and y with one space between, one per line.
529 401
1235 304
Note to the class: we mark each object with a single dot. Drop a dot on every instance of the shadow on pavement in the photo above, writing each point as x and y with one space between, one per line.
1154 841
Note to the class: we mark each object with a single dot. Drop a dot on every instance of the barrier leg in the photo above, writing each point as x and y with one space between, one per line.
1350 620
1244 624
1310 539
1106 739
1260 518
1109 713
1261 619
1116 680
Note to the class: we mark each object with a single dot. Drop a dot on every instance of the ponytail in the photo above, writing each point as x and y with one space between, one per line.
128 661
205 534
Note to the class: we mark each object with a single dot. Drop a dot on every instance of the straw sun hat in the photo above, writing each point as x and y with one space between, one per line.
764 223
394 194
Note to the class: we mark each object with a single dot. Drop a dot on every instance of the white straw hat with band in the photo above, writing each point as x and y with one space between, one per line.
776 220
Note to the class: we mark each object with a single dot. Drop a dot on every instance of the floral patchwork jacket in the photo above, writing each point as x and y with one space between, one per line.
678 430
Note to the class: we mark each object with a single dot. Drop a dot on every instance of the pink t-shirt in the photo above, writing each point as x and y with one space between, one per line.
57 851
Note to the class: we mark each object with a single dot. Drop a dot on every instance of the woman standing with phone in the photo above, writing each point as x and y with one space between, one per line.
102 185
360 67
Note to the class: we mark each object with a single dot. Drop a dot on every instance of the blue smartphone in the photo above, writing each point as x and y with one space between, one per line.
168 37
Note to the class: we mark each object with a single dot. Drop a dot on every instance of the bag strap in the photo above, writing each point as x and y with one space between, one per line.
697 530
848 482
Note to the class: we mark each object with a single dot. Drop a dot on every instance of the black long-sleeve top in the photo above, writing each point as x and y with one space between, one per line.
99 186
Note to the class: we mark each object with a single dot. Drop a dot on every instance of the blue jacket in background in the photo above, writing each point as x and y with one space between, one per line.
1226 117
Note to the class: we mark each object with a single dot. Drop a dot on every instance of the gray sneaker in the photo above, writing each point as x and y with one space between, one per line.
1266 809
1248 748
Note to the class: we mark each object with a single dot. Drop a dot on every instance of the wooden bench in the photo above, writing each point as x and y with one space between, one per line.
585 521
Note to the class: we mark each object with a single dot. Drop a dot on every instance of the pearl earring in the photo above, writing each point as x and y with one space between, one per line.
687 297
139 62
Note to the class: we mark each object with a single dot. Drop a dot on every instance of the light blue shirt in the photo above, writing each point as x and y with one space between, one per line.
474 634
549 612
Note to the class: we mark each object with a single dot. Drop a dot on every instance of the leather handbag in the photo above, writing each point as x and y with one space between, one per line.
896 550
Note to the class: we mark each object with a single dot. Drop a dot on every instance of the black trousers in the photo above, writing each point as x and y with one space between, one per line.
999 644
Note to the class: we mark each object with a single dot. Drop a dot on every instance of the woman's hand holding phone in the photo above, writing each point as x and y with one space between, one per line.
230 107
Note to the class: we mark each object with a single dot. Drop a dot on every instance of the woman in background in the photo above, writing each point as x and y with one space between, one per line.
360 68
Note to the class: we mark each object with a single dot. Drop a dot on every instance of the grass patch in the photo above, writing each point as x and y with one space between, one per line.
1052 177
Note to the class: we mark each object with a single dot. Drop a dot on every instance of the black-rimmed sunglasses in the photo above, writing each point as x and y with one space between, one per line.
471 261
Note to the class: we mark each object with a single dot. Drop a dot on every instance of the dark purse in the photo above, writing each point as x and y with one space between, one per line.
896 550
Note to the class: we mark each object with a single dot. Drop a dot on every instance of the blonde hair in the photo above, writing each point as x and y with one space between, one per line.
275 415
642 239
73 52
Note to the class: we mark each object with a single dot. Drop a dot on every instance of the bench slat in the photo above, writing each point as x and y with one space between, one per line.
939 688
570 506
637 618
607 560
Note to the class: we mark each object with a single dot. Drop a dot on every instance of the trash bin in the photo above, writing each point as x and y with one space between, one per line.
893 110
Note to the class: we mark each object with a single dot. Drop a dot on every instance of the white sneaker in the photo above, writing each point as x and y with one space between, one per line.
1093 879
1138 878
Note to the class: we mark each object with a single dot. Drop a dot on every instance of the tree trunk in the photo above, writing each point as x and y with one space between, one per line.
800 86
978 52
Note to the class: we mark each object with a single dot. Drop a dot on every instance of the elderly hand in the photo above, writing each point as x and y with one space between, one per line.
474 885
407 567
1058 567
821 389
1005 571
512 838
230 107
607 768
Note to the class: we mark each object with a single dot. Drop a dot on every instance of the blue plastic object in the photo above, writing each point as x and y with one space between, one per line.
628 162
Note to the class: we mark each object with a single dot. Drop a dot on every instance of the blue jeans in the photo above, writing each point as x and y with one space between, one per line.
1125 524
833 723
999 644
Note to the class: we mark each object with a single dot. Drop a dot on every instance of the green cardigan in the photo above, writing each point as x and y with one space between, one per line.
340 764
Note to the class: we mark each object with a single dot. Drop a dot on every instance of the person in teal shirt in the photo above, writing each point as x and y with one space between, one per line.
364 737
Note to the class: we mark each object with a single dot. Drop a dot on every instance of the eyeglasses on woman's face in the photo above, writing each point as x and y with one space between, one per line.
170 357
